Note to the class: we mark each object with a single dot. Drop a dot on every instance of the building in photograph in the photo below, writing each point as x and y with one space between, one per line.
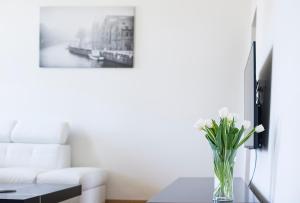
117 33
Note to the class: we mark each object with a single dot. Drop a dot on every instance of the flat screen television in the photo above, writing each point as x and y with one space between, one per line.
263 99
251 107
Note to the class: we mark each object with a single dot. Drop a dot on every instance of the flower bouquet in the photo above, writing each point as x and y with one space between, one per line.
224 138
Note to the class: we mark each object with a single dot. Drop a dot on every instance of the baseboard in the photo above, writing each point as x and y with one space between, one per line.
124 201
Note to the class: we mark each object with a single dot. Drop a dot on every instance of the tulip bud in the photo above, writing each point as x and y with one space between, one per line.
200 124
260 128
246 124
223 112
208 123
230 117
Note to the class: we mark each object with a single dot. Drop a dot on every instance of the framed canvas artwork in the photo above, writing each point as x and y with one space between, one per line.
86 37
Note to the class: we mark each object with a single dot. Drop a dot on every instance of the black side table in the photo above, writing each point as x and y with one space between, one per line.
200 190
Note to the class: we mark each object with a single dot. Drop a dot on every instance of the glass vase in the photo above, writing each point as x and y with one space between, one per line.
223 175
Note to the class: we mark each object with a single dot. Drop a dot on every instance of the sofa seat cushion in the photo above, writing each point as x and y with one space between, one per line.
19 175
87 177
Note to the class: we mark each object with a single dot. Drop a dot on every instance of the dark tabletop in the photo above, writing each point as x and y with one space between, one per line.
48 193
200 190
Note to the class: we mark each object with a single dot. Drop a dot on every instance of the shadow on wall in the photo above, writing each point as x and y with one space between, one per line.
133 186
126 170
83 149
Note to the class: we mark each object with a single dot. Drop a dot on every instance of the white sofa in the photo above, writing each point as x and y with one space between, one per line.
36 152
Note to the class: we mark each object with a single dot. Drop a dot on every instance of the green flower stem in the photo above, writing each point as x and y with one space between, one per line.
223 168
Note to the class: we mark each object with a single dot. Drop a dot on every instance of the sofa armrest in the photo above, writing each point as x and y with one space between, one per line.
87 177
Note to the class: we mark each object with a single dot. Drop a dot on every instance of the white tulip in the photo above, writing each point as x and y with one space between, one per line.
246 124
235 116
223 112
200 124
208 123
260 128
232 116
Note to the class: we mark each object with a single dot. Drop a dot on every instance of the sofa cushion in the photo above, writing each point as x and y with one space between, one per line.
6 128
40 132
19 175
86 176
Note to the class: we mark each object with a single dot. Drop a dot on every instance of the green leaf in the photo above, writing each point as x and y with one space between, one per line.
219 138
224 134
230 135
246 138
212 144
215 126
237 137
211 134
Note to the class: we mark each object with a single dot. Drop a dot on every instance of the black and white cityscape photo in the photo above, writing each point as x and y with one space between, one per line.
86 37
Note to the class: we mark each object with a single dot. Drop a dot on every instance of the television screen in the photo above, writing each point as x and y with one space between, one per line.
264 98
250 107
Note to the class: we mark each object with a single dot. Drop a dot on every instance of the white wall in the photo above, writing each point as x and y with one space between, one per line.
278 27
264 40
136 123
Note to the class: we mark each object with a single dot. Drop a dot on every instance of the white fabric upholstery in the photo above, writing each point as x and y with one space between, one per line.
88 177
6 128
40 132
19 175
95 195
44 156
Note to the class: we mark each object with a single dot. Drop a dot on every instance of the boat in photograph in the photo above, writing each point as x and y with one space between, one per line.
96 55
79 51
